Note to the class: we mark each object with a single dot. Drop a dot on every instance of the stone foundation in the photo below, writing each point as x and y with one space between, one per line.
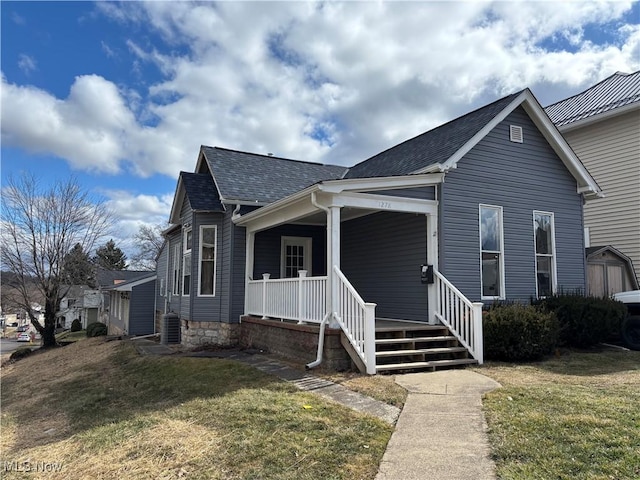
196 334
297 343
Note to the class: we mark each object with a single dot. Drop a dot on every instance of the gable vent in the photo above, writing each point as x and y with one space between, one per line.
515 133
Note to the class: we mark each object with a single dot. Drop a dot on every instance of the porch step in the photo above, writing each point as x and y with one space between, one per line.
439 338
432 365
412 346
420 351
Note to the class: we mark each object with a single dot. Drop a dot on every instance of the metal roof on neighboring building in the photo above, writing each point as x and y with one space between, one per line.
616 91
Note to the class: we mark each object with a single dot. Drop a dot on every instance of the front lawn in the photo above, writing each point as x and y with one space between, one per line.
103 412
572 417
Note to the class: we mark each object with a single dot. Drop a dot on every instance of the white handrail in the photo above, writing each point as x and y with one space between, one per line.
460 315
357 320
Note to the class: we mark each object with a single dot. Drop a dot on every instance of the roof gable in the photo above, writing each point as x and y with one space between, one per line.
200 190
250 178
614 93
434 147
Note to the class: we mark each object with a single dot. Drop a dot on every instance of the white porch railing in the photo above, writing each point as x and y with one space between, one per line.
301 299
460 315
357 320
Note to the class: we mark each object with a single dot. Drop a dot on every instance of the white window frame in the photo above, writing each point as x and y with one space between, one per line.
306 243
186 253
554 271
215 259
502 294
177 276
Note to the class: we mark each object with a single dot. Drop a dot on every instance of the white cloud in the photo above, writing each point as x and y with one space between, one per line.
27 63
329 81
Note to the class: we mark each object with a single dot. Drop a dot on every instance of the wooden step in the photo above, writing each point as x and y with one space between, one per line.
419 351
410 328
440 338
422 365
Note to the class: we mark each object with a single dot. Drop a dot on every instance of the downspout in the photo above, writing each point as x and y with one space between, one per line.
318 359
328 315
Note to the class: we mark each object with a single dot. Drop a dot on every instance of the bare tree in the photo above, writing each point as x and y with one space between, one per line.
40 227
149 240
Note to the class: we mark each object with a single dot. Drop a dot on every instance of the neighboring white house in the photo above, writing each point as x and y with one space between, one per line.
82 303
602 126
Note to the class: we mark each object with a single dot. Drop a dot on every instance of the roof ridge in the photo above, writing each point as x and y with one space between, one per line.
442 125
616 74
273 157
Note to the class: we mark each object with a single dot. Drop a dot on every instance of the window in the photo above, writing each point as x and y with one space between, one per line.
491 252
295 256
207 271
186 262
544 237
177 258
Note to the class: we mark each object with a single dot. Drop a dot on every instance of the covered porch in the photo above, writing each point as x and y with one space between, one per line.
356 255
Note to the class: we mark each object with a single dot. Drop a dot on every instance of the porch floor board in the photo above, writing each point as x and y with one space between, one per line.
390 325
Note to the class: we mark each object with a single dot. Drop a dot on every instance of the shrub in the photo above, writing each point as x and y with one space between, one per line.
518 333
585 321
76 325
20 353
96 329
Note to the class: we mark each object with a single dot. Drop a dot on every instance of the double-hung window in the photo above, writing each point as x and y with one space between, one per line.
177 258
207 270
186 262
544 237
491 252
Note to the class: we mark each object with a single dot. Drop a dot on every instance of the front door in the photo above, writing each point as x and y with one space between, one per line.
295 256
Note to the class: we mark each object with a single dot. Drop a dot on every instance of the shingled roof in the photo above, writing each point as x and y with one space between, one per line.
614 92
432 147
262 179
201 192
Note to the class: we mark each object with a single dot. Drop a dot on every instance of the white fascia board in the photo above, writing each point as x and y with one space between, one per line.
288 203
126 287
381 183
600 117
178 198
383 203
586 183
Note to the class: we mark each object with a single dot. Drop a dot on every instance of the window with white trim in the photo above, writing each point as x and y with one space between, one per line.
491 252
207 267
186 262
295 256
177 258
545 247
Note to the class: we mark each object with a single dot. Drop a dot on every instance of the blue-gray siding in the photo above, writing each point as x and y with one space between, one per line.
162 277
381 256
267 248
186 216
142 309
520 177
238 273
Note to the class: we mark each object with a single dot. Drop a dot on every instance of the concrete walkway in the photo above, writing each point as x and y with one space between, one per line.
441 432
439 435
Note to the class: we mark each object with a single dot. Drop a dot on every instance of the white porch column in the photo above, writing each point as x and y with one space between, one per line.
432 259
249 246
333 258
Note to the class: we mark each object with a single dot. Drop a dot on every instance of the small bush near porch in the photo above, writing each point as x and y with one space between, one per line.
576 416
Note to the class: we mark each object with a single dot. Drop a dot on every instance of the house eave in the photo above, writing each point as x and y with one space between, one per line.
584 122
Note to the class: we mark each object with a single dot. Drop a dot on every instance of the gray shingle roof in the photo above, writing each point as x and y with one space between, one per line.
432 147
261 178
108 278
618 90
201 192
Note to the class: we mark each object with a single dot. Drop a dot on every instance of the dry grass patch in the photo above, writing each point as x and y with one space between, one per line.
104 412
576 416
380 387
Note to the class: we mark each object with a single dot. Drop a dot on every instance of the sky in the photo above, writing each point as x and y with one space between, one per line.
122 95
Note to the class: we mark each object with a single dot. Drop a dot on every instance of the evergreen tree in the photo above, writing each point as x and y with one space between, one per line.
78 269
110 257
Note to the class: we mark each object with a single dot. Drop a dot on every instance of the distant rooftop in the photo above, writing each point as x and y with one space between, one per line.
616 91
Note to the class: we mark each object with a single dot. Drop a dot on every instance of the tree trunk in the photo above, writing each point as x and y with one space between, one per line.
48 332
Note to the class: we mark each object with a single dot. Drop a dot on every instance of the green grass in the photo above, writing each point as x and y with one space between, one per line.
576 416
105 412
